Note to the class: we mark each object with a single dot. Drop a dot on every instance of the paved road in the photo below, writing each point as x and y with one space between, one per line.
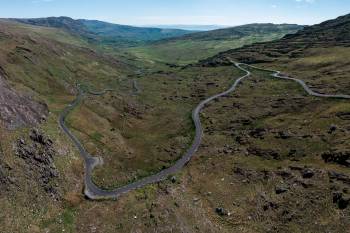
93 192
278 74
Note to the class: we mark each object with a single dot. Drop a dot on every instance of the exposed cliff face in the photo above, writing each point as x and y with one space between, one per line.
17 110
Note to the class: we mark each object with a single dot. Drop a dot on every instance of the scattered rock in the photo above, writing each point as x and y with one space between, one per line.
285 174
283 135
242 140
339 157
38 155
265 153
258 133
5 179
308 173
341 199
339 177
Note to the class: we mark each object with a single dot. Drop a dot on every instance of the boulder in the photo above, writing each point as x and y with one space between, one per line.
221 211
308 173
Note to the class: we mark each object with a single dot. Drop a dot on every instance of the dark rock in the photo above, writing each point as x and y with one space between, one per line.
270 205
296 167
283 135
339 177
267 203
280 190
344 201
292 152
308 173
221 211
39 137
265 153
341 199
258 133
242 140
38 155
343 115
337 196
332 129
339 157
284 174
5 180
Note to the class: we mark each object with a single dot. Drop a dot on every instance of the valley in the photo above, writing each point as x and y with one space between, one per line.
112 128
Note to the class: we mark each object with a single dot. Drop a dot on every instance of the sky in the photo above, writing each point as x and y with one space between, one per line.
191 12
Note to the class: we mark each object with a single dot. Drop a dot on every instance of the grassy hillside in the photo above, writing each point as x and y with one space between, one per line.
193 47
317 54
39 167
106 33
115 31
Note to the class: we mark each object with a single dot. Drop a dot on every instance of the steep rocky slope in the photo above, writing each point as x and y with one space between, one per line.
18 110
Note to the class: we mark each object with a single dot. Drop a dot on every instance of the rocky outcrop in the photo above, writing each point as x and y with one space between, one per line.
5 179
340 189
341 199
339 157
264 153
17 110
38 153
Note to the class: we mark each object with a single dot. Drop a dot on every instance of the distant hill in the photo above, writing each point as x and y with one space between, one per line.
195 46
104 32
242 31
129 32
191 27
331 33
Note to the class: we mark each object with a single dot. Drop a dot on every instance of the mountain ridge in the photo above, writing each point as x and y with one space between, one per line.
330 33
104 32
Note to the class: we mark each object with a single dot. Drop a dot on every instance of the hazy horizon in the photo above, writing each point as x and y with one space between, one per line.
182 12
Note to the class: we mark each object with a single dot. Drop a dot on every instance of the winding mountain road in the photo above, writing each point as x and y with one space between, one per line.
93 192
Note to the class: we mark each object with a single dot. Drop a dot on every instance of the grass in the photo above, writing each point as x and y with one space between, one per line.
135 146
187 51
